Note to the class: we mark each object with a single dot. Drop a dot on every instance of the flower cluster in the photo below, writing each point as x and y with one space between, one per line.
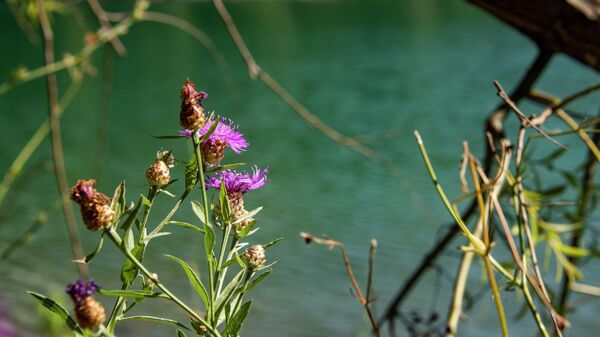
94 206
237 184
89 312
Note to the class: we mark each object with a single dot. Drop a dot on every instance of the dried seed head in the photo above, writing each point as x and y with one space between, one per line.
95 210
83 191
213 151
97 214
158 174
192 114
90 313
255 256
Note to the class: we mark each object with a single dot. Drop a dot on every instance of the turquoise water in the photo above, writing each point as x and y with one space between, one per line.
365 68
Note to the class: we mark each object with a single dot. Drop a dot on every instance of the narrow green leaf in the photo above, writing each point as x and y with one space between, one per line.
209 241
181 333
248 215
135 294
258 279
191 173
118 202
57 309
224 167
210 131
154 319
247 229
272 243
132 214
224 203
168 137
198 210
227 292
129 270
235 324
186 225
98 248
194 279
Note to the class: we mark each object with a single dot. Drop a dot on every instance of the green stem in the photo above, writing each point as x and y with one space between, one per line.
221 273
118 242
164 221
247 278
229 257
151 195
210 259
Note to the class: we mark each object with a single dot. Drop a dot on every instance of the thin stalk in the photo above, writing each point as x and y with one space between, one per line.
210 259
16 168
168 217
483 208
118 242
247 277
234 242
220 273
55 136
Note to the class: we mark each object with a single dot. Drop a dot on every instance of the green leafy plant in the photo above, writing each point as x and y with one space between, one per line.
223 221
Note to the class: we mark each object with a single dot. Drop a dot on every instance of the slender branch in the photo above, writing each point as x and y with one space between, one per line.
57 151
105 23
69 60
372 250
255 71
309 238
494 127
585 197
484 210
16 168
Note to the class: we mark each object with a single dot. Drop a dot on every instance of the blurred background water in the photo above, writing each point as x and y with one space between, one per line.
378 69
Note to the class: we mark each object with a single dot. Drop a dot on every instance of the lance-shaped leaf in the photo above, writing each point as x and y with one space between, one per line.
235 324
129 270
154 319
258 279
181 333
59 310
194 279
224 203
224 167
186 225
126 225
118 202
134 294
191 173
227 293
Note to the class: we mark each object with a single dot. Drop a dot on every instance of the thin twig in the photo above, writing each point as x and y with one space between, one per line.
16 168
255 71
521 115
372 250
105 23
57 151
309 238
494 127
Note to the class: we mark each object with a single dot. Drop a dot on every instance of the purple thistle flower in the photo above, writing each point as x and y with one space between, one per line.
79 290
239 182
225 132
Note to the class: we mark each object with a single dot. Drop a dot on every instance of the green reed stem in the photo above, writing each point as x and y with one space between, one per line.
114 236
220 274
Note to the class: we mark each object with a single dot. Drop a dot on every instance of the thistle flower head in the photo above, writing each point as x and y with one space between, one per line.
236 182
83 190
80 289
226 132
255 256
191 115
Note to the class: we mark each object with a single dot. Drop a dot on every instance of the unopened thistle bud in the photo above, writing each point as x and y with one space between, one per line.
158 174
192 114
89 312
255 256
94 206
